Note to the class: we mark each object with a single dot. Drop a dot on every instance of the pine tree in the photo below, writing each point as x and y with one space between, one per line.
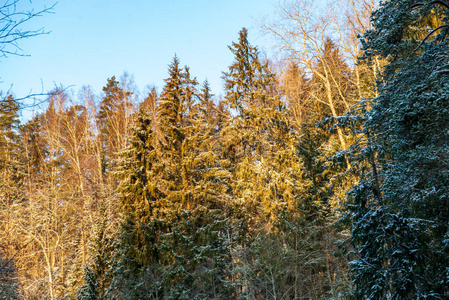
399 207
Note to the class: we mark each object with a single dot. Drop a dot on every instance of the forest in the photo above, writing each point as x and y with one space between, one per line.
321 173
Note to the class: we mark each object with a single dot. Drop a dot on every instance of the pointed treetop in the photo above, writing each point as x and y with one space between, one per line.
248 80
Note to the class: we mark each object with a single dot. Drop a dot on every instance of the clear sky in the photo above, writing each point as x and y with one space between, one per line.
91 40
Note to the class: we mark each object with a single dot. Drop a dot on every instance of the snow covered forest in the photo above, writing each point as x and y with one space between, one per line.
321 173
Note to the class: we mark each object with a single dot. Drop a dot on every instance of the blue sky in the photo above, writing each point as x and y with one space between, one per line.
91 40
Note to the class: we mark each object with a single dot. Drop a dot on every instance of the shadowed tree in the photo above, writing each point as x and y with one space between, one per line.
399 209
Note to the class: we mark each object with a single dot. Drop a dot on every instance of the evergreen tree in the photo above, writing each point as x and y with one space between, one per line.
193 190
11 173
112 121
97 275
310 232
9 286
34 146
90 289
340 87
172 241
258 148
297 90
139 255
399 208
257 134
10 160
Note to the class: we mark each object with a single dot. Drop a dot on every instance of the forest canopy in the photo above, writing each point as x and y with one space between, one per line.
321 173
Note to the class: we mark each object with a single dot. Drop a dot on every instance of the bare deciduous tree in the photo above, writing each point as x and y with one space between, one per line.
15 15
304 30
13 18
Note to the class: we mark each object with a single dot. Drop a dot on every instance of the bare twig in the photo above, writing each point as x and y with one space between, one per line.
12 21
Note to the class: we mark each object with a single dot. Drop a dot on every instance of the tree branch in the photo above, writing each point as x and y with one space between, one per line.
11 21
429 34
433 2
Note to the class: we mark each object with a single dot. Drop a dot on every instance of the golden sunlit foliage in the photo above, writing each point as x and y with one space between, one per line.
186 195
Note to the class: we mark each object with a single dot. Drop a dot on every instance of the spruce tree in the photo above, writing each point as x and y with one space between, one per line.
9 285
10 162
193 190
399 208
11 172
256 134
112 121
172 241
138 253
258 148
310 232
341 87
98 272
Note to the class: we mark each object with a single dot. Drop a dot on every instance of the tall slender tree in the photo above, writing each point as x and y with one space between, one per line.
259 152
11 193
172 243
11 164
113 120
